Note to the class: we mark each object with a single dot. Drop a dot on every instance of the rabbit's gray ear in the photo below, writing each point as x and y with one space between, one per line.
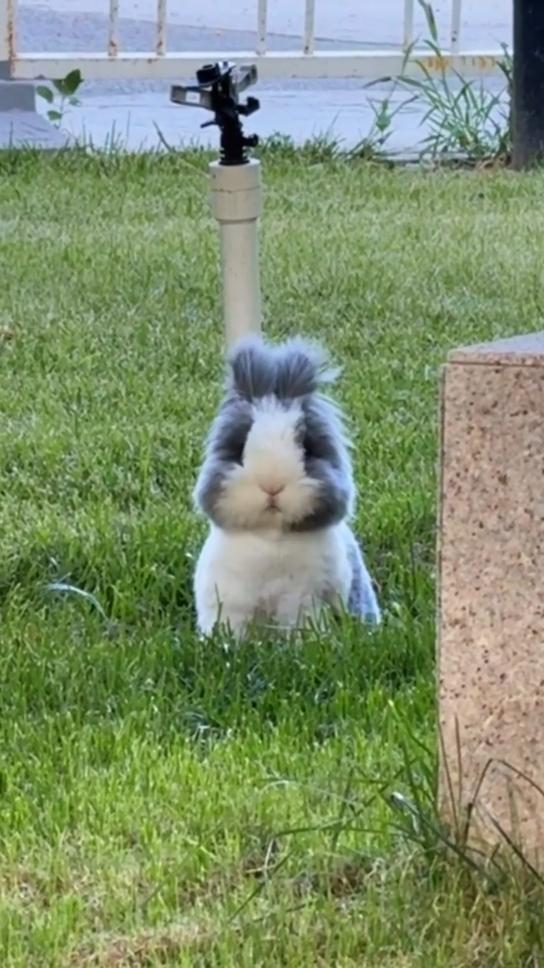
252 369
301 368
294 369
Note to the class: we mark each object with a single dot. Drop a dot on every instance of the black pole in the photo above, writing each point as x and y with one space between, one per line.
528 83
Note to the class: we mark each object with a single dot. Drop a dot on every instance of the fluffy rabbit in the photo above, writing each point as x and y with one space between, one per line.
277 487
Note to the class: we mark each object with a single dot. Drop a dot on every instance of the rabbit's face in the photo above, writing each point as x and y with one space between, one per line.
275 464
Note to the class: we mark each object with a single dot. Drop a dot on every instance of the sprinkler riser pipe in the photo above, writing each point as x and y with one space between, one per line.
236 201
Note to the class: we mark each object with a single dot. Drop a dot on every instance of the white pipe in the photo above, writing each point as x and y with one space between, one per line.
236 204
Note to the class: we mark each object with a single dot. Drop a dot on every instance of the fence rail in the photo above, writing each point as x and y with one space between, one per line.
304 62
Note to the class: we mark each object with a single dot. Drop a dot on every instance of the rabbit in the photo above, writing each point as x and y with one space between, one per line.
277 487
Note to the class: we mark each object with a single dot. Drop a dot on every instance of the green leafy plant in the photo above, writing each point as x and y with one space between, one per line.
61 94
373 146
466 120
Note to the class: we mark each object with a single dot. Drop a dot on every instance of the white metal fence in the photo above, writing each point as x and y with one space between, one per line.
305 62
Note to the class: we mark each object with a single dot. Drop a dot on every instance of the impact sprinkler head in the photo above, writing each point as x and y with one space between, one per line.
218 90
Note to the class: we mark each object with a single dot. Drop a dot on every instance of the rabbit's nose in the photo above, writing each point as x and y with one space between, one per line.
272 489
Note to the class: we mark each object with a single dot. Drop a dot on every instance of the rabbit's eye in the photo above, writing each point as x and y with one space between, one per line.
309 449
234 446
237 454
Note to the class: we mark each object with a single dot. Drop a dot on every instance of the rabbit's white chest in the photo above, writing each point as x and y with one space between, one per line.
272 576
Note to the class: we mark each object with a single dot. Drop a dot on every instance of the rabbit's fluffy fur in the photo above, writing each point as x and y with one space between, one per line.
277 487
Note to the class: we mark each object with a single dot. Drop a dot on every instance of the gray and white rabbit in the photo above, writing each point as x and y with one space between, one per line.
277 487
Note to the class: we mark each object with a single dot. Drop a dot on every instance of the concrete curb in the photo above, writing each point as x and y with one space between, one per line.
20 124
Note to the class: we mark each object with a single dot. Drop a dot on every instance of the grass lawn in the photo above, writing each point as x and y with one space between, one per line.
166 801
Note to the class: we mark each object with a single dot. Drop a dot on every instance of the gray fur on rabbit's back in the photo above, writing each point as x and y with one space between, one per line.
362 600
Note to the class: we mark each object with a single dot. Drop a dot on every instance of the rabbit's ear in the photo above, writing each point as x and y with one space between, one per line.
252 369
292 370
301 367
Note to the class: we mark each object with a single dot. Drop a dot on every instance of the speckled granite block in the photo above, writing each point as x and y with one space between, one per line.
491 605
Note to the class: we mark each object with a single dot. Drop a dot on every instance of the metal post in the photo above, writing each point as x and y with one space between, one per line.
7 36
236 204
262 29
309 27
160 45
528 83
408 30
113 29
455 32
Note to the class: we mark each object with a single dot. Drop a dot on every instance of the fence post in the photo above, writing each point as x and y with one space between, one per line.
7 38
528 83
14 95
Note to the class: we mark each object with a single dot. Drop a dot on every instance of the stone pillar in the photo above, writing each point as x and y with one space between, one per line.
491 593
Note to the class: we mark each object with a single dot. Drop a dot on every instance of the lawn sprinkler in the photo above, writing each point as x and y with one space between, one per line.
235 183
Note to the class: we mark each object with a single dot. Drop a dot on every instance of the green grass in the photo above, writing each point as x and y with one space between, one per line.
166 801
